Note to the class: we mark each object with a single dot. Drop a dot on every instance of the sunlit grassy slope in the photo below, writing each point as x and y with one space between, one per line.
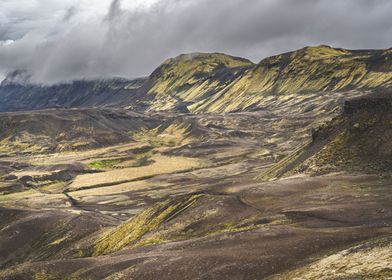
221 83
192 77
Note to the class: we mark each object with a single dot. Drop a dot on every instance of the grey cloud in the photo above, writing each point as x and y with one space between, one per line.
114 10
132 43
70 13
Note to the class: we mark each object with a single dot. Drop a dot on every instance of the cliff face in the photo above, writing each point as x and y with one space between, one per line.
215 82
363 142
358 140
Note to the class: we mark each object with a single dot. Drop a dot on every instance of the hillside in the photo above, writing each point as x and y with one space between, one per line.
66 130
309 70
295 75
358 140
183 80
215 82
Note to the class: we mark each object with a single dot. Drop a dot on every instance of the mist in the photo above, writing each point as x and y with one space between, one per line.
116 39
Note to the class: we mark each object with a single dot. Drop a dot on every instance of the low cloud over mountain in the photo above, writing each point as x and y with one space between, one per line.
63 40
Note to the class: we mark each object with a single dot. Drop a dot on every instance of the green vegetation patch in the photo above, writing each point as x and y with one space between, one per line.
104 164
175 134
130 232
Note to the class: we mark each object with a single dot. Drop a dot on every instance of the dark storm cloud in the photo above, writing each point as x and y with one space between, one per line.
132 42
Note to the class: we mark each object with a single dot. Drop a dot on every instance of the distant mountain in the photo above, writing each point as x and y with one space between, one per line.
215 82
16 95
69 129
17 77
309 70
187 79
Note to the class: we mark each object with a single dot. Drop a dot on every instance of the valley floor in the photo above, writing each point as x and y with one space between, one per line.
180 200
329 227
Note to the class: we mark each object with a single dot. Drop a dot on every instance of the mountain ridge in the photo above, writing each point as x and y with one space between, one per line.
214 82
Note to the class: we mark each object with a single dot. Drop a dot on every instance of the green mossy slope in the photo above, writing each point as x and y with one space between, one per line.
130 232
221 83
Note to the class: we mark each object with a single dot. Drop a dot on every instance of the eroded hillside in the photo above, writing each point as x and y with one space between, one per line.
68 130
355 141
215 82
312 69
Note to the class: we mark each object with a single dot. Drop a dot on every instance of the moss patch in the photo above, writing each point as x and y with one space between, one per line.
104 164
128 233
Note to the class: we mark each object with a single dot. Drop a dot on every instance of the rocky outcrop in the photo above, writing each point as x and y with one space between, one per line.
355 141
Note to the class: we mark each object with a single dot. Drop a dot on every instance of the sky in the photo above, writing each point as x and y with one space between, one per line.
61 40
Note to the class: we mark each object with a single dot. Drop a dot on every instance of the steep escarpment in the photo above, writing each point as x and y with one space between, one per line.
355 141
362 144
